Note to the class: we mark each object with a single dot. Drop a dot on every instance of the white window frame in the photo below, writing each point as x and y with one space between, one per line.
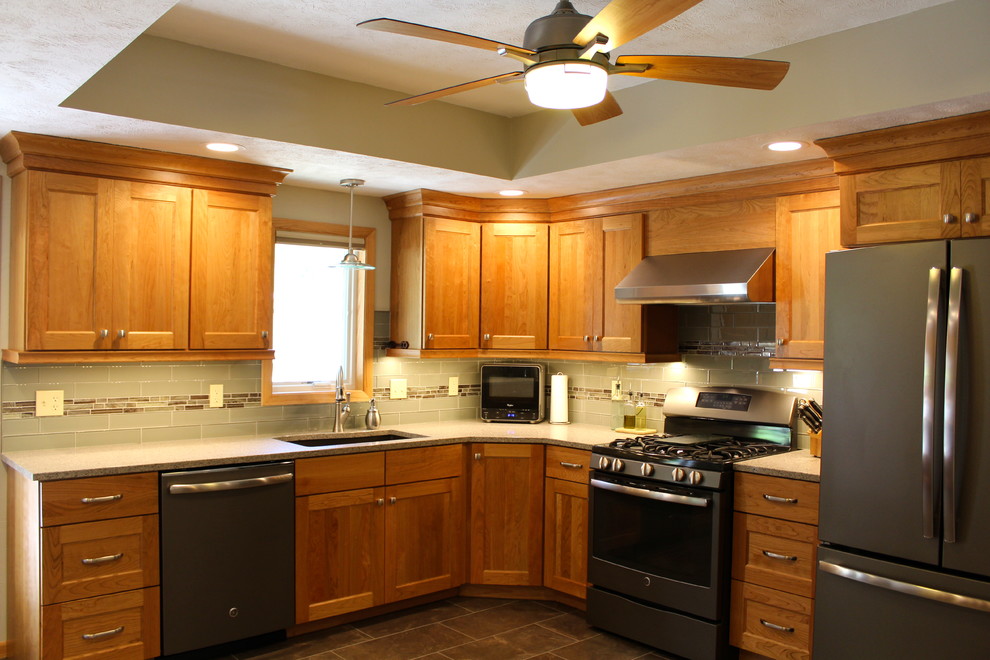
361 384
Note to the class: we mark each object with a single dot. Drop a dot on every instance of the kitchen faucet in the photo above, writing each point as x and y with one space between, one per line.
341 412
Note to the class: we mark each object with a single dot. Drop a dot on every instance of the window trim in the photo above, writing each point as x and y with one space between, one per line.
361 389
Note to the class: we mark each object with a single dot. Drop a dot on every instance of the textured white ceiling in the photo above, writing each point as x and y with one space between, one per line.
51 47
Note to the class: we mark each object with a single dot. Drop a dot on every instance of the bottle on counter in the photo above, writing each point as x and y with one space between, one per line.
640 412
629 412
372 419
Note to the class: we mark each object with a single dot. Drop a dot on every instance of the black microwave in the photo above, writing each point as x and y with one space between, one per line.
512 393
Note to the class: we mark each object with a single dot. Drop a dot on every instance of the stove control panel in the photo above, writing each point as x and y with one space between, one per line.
655 471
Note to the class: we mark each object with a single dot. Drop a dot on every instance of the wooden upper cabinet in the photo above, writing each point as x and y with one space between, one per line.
975 190
587 259
451 281
108 264
514 285
807 228
231 274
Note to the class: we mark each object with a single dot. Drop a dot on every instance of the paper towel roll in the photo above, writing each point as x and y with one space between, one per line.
558 399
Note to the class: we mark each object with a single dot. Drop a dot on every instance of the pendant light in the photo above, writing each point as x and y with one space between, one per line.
350 259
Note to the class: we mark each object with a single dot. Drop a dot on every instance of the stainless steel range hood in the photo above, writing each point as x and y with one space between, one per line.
730 276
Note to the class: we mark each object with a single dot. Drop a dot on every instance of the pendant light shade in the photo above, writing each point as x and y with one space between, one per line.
350 259
566 85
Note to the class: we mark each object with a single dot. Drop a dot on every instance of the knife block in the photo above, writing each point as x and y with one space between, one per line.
816 443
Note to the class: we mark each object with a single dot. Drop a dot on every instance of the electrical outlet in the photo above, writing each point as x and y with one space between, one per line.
216 396
616 390
397 388
452 386
48 403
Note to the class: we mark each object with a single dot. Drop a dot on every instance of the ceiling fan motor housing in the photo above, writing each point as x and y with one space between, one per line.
557 29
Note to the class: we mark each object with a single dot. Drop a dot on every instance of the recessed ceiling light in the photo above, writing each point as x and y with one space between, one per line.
223 146
788 145
511 193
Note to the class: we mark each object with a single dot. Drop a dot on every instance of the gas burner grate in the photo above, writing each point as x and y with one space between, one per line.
720 450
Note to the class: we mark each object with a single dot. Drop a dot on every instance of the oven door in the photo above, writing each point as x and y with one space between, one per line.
664 544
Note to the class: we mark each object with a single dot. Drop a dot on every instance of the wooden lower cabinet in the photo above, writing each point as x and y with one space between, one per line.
506 534
378 544
119 626
565 545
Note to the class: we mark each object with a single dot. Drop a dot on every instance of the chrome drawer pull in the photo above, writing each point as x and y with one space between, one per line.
100 635
774 626
102 560
576 466
102 500
780 500
774 555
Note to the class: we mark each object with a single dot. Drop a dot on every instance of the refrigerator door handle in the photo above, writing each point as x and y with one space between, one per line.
928 403
907 588
950 409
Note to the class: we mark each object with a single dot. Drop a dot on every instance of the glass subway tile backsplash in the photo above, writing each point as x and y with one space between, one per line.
133 403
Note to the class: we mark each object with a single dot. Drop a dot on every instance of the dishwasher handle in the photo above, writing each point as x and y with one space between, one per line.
237 484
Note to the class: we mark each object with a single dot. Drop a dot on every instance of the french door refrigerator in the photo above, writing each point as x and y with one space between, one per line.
904 565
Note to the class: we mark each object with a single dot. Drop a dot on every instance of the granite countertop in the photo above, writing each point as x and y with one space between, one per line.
54 464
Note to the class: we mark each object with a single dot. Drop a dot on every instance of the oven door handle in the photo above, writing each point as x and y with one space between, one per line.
651 494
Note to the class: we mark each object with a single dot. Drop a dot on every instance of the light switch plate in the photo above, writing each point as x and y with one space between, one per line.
216 396
49 403
397 388
452 386
616 390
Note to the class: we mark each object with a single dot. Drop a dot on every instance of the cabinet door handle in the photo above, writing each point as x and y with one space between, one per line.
477 457
576 466
392 500
100 635
949 218
264 334
488 337
774 555
597 338
102 500
972 218
96 561
780 500
774 626
430 336
380 501
587 337
104 333
121 334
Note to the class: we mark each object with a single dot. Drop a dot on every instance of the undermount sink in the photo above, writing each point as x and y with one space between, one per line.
334 439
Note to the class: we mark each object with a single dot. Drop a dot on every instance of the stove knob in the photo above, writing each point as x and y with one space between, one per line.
677 474
618 465
603 463
646 469
696 477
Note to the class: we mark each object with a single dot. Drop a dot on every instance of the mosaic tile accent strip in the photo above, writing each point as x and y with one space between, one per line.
137 404
732 348
428 392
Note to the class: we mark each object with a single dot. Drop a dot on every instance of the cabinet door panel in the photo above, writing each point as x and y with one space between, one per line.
506 514
565 561
151 226
231 282
975 174
339 553
575 284
622 248
452 264
69 265
129 622
807 228
514 286
424 538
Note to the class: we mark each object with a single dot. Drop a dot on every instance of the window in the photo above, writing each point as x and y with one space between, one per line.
323 316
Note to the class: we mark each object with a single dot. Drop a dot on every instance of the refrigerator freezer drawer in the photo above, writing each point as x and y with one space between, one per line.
871 609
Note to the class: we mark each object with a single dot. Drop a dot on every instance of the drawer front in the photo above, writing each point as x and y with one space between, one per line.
769 622
774 553
98 558
328 474
98 498
568 464
775 497
124 625
424 463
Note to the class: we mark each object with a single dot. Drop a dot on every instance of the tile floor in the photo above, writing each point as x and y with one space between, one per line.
459 629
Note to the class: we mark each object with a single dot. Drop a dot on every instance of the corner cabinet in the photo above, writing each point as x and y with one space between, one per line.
121 254
514 285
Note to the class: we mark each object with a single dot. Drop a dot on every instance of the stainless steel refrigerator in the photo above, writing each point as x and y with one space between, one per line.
904 565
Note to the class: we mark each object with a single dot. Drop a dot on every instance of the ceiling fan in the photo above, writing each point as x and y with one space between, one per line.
565 57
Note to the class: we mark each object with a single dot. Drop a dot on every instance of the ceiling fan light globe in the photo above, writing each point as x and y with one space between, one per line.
566 85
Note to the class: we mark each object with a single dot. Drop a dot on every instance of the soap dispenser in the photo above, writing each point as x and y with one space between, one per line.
372 419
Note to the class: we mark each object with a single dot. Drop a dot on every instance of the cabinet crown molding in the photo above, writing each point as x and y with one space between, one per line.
29 151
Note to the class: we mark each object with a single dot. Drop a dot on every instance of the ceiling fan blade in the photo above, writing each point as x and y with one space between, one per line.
437 34
728 71
593 114
624 20
456 89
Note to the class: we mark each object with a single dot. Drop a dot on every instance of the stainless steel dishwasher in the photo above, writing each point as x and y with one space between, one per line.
227 554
